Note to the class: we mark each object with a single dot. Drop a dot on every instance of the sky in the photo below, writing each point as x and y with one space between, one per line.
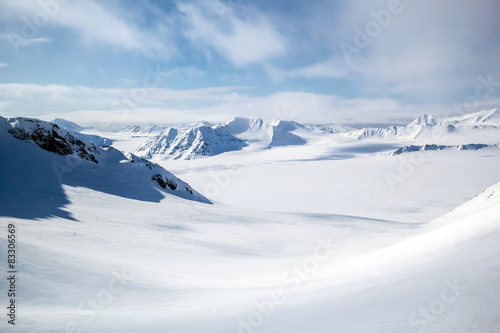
311 61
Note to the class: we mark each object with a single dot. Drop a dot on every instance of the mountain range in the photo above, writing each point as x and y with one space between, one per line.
202 140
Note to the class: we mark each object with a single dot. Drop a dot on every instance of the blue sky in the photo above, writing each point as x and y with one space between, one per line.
311 61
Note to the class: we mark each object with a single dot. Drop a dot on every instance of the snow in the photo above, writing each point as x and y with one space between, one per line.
333 235
427 127
68 125
189 143
32 185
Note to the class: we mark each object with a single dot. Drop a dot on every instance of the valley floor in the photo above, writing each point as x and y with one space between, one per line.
299 239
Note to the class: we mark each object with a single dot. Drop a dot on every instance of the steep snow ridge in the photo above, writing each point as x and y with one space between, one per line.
76 131
286 125
189 143
105 168
383 132
282 137
266 135
240 125
481 118
50 137
159 145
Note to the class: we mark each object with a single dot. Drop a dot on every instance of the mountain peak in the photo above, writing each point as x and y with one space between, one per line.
424 120
190 143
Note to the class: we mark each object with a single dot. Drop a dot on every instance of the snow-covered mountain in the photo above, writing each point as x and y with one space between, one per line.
76 130
50 137
201 139
431 126
266 134
68 125
189 143
38 157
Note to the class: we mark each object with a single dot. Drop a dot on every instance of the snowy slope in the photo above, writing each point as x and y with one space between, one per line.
189 143
445 280
105 248
51 137
38 158
68 125
174 266
76 130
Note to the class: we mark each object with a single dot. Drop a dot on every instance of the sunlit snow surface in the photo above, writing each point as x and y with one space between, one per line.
336 235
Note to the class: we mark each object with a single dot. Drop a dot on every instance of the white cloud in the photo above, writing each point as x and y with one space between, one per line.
433 50
94 23
241 39
431 44
89 106
2 64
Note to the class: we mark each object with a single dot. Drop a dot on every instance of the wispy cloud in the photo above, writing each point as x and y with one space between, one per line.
2 64
243 37
16 40
96 24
